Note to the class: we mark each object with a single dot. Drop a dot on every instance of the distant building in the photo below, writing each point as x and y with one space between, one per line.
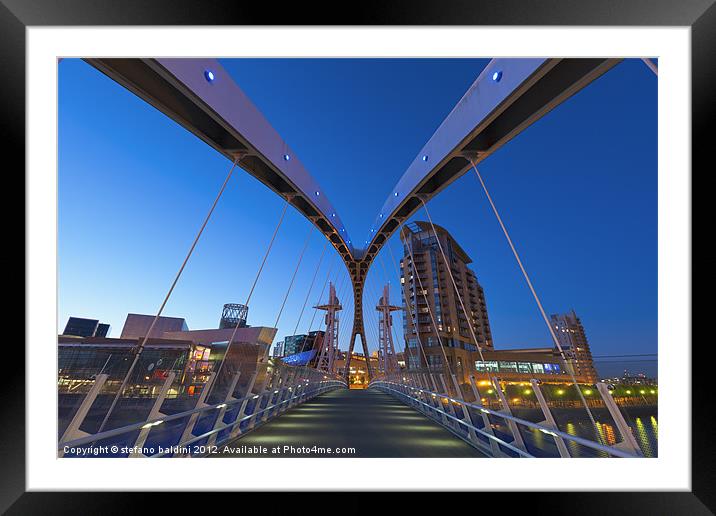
137 325
80 360
293 344
81 327
427 287
573 340
277 351
433 308
190 354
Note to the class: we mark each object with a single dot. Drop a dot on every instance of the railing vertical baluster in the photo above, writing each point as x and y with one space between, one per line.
189 428
549 420
73 429
519 442
222 410
628 442
236 429
153 414
485 419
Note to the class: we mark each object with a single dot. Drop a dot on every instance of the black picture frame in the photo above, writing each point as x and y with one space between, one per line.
700 15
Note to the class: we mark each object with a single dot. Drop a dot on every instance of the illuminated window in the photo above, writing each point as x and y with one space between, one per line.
508 366
486 366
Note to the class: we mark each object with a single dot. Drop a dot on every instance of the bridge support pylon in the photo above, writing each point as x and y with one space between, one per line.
329 346
387 360
358 272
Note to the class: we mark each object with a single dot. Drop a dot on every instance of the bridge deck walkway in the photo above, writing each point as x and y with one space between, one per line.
371 422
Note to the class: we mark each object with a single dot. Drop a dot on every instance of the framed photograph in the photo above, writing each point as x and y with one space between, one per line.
427 248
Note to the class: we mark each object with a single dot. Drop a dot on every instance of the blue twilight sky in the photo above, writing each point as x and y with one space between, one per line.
578 191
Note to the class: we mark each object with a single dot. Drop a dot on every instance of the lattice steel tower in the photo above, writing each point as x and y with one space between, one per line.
329 346
233 315
387 360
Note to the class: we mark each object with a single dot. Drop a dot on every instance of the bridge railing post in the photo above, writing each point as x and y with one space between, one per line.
451 423
487 424
466 416
73 429
262 394
514 430
222 411
549 420
187 433
435 401
236 428
154 413
287 392
304 383
278 386
628 442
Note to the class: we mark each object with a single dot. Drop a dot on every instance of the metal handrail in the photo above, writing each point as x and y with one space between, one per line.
163 419
249 416
550 431
479 430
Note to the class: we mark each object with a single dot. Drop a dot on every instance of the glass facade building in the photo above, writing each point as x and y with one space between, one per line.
82 327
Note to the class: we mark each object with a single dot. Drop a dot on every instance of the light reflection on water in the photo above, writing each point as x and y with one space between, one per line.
644 427
645 430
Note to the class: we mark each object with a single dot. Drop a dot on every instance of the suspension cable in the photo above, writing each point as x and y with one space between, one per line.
143 342
452 279
432 316
320 299
534 294
268 250
388 335
310 288
315 309
253 286
392 326
320 296
412 319
295 271
375 324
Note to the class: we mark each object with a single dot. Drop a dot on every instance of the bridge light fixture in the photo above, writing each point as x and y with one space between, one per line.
333 215
286 157
425 157
209 76
318 193
497 76
396 194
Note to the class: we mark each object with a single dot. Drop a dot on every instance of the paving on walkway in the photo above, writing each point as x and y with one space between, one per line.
370 422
